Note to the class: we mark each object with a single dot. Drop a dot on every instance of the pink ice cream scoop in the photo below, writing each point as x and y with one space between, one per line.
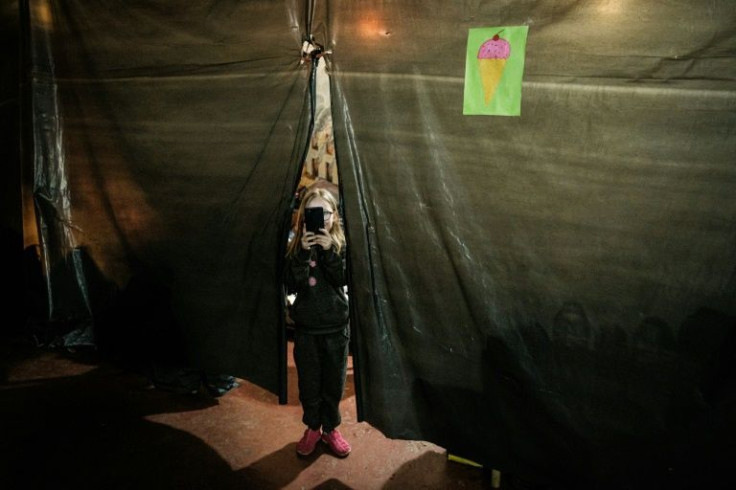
492 56
495 47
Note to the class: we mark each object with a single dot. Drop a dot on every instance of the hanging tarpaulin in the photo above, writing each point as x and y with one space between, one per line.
167 142
551 294
494 68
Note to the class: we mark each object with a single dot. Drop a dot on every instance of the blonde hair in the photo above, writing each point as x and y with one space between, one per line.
336 232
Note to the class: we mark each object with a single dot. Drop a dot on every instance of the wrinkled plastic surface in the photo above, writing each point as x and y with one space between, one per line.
554 291
166 141
551 295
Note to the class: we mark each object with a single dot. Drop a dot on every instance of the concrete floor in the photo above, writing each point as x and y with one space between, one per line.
65 423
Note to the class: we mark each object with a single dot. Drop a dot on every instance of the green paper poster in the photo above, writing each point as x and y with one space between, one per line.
493 69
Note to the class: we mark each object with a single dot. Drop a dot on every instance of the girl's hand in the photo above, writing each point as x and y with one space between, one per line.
307 239
310 239
323 239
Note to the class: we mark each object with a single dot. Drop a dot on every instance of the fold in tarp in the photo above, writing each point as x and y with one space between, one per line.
551 294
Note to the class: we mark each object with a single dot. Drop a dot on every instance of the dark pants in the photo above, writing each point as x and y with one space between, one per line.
321 364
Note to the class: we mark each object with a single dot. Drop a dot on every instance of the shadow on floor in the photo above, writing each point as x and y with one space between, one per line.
430 468
70 425
89 431
332 484
276 470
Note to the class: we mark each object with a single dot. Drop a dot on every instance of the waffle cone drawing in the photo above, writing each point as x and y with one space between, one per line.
492 57
491 71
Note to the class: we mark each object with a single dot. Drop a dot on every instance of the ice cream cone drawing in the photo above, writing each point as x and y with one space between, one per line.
494 68
492 57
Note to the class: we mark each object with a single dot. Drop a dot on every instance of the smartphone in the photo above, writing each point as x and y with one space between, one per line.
314 218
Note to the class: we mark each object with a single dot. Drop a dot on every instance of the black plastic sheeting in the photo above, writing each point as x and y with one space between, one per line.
552 295
166 142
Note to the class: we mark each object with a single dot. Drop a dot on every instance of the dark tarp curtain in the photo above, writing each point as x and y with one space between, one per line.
551 294
166 142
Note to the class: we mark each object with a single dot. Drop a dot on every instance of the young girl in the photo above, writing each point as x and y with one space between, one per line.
316 273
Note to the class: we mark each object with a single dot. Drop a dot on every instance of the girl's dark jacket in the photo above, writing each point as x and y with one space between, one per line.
321 306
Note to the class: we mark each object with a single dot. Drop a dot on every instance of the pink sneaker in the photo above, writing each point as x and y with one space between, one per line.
308 442
337 444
